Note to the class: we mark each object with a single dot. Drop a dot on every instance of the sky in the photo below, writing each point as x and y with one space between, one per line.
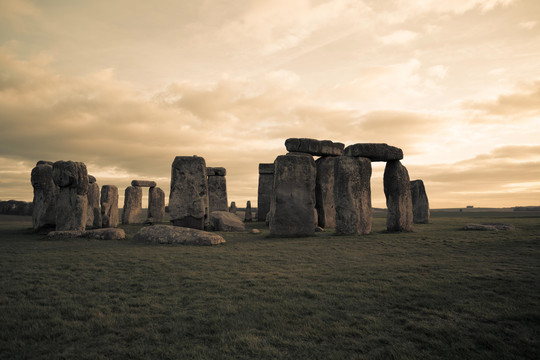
125 86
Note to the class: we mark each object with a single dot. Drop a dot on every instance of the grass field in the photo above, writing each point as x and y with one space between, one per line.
438 292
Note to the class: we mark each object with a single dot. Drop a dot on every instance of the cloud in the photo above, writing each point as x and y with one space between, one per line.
399 37
522 103
18 13
527 25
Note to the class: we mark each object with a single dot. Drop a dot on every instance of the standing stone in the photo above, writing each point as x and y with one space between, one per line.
132 213
156 204
109 206
217 189
248 216
324 192
45 192
188 199
93 213
352 192
420 202
397 190
264 195
293 199
72 201
233 209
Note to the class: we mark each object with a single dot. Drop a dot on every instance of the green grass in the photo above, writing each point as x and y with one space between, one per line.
438 292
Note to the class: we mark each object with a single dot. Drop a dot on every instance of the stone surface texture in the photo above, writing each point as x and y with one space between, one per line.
93 212
156 204
489 227
324 192
71 202
397 190
188 199
109 206
45 192
132 213
167 234
105 234
143 183
226 221
264 193
217 193
293 199
420 202
352 193
314 147
216 171
374 152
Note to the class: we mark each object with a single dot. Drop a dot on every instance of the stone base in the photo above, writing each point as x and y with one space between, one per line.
189 222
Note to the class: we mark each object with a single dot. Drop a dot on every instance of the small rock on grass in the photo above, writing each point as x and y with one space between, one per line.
489 227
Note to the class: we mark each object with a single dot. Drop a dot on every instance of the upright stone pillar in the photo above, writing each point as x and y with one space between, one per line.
264 195
156 204
188 199
45 192
248 216
420 202
324 192
72 201
93 213
293 199
397 190
109 206
217 189
132 213
352 192
233 209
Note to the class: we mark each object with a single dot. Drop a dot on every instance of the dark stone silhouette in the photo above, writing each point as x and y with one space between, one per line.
292 211
314 147
397 190
156 204
420 202
109 206
132 213
72 201
264 194
188 199
374 152
45 192
324 192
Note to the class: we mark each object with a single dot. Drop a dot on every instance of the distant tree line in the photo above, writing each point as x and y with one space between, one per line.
14 207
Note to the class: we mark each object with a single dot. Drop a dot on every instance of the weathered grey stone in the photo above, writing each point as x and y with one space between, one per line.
188 199
374 152
324 192
44 162
226 221
255 231
64 234
45 192
233 209
109 206
293 199
420 202
132 213
397 190
217 193
167 234
143 183
105 234
156 204
216 171
352 193
71 202
91 179
314 147
248 215
489 227
93 212
264 194
266 168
